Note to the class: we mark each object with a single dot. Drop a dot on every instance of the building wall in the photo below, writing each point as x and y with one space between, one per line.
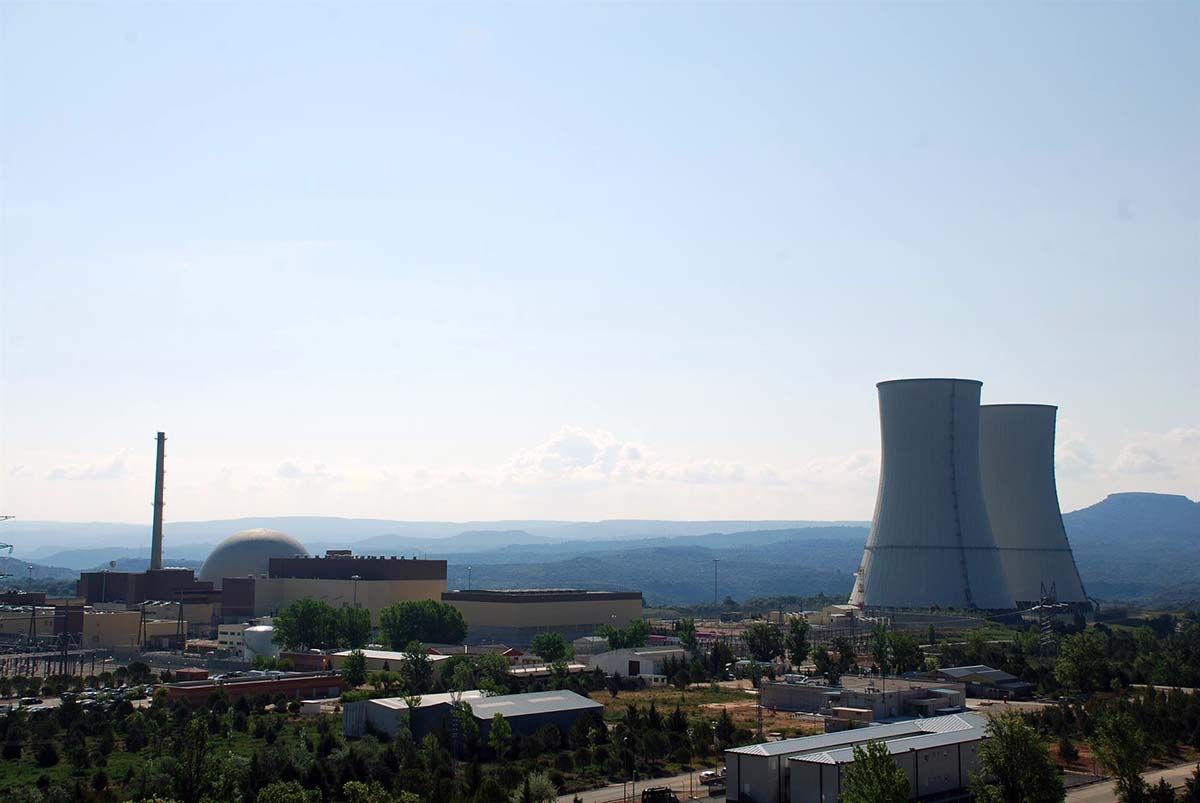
273 593
516 619
15 622
650 660
230 636
366 567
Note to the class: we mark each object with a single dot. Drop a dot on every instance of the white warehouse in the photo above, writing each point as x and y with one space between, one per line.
938 755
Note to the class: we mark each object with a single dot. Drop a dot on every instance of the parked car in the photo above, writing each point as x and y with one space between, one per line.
31 701
659 794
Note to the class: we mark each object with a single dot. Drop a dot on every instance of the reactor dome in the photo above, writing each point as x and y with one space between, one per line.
248 553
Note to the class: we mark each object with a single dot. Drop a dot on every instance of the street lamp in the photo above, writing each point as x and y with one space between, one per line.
468 578
355 578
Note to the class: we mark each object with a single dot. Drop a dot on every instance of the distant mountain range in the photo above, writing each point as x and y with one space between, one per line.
38 540
1141 547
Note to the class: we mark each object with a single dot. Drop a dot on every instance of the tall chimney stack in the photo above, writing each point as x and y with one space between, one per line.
156 535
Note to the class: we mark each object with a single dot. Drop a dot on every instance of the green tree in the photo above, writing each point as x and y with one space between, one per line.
1191 788
907 655
423 621
500 736
359 792
874 777
633 634
306 624
1162 792
764 641
550 647
881 648
1015 766
353 627
797 639
192 757
354 669
686 630
416 671
1083 661
537 788
1119 744
835 660
286 792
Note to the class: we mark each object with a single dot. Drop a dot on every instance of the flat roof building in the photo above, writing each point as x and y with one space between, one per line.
294 685
337 578
516 616
938 754
984 681
525 713
884 698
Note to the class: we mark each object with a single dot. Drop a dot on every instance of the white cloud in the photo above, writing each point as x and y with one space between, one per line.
111 469
1073 457
293 470
1138 458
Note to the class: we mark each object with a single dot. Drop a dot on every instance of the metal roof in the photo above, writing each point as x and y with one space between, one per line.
427 700
823 742
924 741
539 702
390 655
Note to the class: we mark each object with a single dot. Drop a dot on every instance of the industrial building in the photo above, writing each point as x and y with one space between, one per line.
938 755
984 681
91 628
515 616
248 554
384 659
636 662
427 714
293 685
1016 462
931 541
338 578
525 713
880 698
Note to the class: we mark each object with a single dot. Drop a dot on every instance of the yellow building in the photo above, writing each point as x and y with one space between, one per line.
95 629
514 617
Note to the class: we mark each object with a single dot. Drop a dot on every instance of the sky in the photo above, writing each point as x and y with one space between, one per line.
583 261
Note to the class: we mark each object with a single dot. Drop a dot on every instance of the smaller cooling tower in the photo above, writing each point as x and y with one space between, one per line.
1016 463
259 640
930 542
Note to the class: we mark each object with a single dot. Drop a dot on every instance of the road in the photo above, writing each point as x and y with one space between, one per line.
1104 792
684 785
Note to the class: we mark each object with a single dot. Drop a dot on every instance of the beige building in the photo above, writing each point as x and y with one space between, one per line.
121 629
516 616
96 629
273 593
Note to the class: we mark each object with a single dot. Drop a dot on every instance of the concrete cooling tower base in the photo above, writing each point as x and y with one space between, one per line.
931 543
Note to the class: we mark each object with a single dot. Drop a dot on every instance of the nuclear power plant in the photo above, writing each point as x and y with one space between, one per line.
967 514
1016 461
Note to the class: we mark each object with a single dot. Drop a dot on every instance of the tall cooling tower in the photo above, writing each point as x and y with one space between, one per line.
1016 461
930 542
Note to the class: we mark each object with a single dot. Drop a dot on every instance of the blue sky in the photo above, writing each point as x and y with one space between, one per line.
583 261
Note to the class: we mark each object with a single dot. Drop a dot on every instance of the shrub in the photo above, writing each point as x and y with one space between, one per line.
46 755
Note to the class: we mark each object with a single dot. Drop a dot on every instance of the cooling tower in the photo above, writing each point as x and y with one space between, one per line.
1016 462
930 543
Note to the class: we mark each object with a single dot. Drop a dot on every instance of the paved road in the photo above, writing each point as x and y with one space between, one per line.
1104 792
684 785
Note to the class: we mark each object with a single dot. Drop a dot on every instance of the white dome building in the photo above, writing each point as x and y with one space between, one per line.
248 553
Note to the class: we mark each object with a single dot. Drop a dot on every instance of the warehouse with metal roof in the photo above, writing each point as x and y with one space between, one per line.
938 754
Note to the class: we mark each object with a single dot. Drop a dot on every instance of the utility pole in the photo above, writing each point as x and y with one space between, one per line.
715 562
